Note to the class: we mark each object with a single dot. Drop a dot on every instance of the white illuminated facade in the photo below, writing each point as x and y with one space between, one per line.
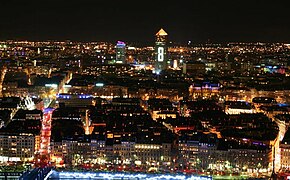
239 111
160 54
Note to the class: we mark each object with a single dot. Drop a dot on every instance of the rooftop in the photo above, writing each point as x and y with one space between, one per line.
161 32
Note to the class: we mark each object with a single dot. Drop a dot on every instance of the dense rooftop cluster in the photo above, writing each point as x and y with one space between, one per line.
210 107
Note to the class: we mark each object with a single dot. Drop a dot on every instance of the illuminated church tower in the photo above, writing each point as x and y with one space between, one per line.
160 51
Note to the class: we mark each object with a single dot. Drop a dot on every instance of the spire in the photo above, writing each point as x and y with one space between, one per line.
161 32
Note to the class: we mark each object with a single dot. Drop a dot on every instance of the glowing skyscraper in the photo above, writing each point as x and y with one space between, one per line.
121 52
160 51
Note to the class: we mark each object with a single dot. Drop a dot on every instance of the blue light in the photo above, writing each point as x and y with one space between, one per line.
84 96
283 105
121 44
63 96
47 110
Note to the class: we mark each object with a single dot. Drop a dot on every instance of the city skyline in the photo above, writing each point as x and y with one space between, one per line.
169 90
197 21
206 110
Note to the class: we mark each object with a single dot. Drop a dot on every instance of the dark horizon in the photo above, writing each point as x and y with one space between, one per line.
198 21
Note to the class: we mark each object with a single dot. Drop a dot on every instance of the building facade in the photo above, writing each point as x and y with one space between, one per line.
121 52
160 51
18 147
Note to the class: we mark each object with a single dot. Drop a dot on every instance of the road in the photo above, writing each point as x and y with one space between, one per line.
275 147
2 76
46 132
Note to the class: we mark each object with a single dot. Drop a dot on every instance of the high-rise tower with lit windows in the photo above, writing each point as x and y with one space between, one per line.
160 51
121 52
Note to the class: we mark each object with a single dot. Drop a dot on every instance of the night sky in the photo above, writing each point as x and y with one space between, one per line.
138 21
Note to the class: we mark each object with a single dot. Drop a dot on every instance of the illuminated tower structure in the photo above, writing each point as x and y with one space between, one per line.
160 51
121 52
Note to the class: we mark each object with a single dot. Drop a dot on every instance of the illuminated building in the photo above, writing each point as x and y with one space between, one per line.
163 115
188 147
285 156
123 152
20 139
14 89
72 151
285 152
161 108
18 146
226 154
119 152
107 69
204 90
40 70
254 159
238 107
116 148
160 51
110 91
73 100
147 153
121 52
271 69
237 94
